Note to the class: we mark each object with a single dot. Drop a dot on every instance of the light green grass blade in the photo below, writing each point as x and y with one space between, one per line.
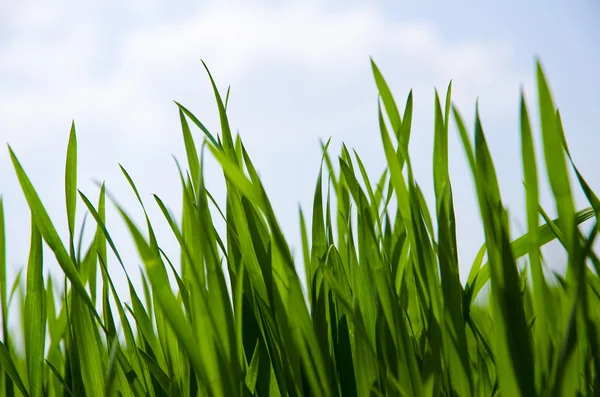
7 363
199 124
60 378
387 99
547 233
170 307
35 314
48 232
225 130
555 158
71 181
190 149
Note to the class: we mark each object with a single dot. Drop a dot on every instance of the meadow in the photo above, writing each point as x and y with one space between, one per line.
380 309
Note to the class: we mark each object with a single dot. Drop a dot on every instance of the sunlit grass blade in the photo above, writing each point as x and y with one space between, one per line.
71 182
35 313
48 232
225 130
199 124
190 149
555 158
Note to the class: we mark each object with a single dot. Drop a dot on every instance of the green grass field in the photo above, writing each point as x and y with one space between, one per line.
383 313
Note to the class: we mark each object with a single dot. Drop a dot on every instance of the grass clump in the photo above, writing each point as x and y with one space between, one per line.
383 313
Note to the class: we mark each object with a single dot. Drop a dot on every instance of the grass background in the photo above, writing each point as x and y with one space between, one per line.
381 311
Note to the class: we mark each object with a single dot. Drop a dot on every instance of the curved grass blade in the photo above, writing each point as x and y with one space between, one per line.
199 124
48 232
8 364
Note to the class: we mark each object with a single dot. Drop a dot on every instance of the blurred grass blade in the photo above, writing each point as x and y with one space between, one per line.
9 367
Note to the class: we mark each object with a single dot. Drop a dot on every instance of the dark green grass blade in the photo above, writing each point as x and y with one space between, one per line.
514 354
199 124
225 130
456 340
60 378
540 287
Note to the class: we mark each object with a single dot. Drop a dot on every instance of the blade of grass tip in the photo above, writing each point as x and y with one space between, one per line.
112 368
253 368
555 158
60 378
195 120
547 233
185 295
590 195
448 106
515 357
35 314
170 306
532 200
139 314
80 239
319 239
46 228
407 122
305 246
464 135
15 285
327 159
157 373
474 274
6 361
149 335
174 228
221 306
396 176
225 130
388 100
227 96
190 149
235 174
71 183
440 152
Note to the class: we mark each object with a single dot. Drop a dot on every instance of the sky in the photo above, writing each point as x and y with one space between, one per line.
299 74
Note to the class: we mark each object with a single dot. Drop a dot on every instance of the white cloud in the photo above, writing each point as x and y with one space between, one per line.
116 76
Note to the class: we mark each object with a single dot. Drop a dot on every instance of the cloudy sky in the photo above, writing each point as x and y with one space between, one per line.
299 73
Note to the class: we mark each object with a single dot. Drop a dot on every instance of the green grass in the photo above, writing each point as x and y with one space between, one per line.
383 311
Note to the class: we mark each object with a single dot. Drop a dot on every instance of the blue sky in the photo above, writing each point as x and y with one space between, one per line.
299 73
